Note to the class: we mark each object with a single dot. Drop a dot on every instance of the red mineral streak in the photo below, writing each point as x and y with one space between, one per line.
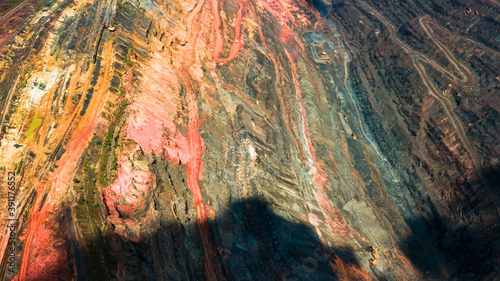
238 42
247 100
152 114
152 122
407 263
129 188
332 162
347 270
355 175
282 94
276 8
289 16
50 259
285 34
194 167
59 184
219 41
285 109
38 235
333 217
314 221
60 178
191 18
318 176
190 74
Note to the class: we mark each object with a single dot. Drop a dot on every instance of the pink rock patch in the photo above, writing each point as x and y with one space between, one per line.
153 112
127 192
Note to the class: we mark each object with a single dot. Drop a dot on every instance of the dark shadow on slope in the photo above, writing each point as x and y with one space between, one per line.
252 242
443 251
265 246
255 241
492 175
465 246
323 7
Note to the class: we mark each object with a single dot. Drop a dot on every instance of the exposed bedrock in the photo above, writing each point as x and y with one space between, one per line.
250 140
323 6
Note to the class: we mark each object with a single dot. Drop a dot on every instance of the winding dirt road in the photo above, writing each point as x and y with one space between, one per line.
465 79
14 10
429 21
219 41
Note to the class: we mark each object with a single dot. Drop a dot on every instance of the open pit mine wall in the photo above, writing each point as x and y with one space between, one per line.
249 140
431 99
323 7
